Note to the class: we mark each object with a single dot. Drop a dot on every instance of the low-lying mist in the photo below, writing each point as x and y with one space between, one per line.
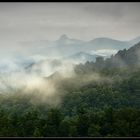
45 81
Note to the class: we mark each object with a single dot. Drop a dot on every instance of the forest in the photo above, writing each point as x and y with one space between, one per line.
101 100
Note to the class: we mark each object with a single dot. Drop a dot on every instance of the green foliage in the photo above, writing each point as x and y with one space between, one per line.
108 108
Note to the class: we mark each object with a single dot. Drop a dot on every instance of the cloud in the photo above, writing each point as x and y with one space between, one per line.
41 21
36 85
104 52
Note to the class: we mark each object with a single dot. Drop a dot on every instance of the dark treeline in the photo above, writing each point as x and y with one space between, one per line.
86 122
94 109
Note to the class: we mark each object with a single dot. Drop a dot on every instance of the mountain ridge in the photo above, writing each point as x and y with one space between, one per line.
65 46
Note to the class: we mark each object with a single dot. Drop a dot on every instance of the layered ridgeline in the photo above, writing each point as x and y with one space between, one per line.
74 51
97 98
66 50
125 58
66 46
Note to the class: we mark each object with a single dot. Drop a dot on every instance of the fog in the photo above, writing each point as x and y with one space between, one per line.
41 43
45 85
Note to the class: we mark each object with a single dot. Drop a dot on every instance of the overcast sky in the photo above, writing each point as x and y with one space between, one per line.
41 21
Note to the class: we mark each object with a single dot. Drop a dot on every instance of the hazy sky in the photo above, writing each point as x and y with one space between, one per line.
41 21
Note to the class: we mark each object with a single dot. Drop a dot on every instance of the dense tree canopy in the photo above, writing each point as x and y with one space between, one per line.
107 107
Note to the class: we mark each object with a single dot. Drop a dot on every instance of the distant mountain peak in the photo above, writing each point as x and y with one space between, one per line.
63 37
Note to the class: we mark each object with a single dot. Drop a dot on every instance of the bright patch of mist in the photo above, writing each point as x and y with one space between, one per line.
33 76
105 52
16 79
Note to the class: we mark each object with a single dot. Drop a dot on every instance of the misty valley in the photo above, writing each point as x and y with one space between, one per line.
71 88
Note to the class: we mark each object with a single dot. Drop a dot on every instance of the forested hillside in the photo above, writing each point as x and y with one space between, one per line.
102 99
